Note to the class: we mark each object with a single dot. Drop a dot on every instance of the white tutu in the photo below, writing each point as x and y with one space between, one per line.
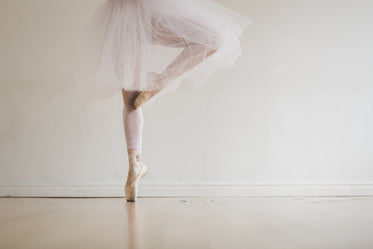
130 43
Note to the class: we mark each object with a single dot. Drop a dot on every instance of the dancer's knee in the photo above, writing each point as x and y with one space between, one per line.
213 40
206 49
211 44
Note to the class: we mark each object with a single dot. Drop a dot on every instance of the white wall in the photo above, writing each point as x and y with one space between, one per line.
297 108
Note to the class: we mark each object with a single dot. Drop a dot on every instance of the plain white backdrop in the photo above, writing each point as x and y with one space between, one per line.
294 116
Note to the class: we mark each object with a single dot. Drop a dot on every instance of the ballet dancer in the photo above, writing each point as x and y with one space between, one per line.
141 47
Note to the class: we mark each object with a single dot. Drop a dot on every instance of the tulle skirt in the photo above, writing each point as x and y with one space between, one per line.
130 44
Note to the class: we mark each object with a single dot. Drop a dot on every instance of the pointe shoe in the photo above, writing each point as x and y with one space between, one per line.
141 99
136 171
144 96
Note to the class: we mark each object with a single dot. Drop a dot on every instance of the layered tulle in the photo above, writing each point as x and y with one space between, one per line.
131 43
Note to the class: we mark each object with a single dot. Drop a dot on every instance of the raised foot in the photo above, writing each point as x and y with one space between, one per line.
143 97
156 79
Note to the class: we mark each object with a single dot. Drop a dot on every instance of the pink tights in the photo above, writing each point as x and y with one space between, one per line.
133 121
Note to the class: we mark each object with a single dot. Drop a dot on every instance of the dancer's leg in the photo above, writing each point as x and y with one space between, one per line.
133 122
192 55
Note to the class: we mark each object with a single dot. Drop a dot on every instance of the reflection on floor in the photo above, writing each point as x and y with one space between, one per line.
177 223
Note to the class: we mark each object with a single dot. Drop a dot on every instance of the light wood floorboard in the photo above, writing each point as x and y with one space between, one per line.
177 223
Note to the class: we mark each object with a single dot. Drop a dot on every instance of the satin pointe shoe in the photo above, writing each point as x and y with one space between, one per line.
136 171
145 96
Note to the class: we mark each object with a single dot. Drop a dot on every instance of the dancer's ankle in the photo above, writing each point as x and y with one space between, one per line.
133 151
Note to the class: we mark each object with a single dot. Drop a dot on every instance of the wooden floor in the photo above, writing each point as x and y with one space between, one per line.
177 223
